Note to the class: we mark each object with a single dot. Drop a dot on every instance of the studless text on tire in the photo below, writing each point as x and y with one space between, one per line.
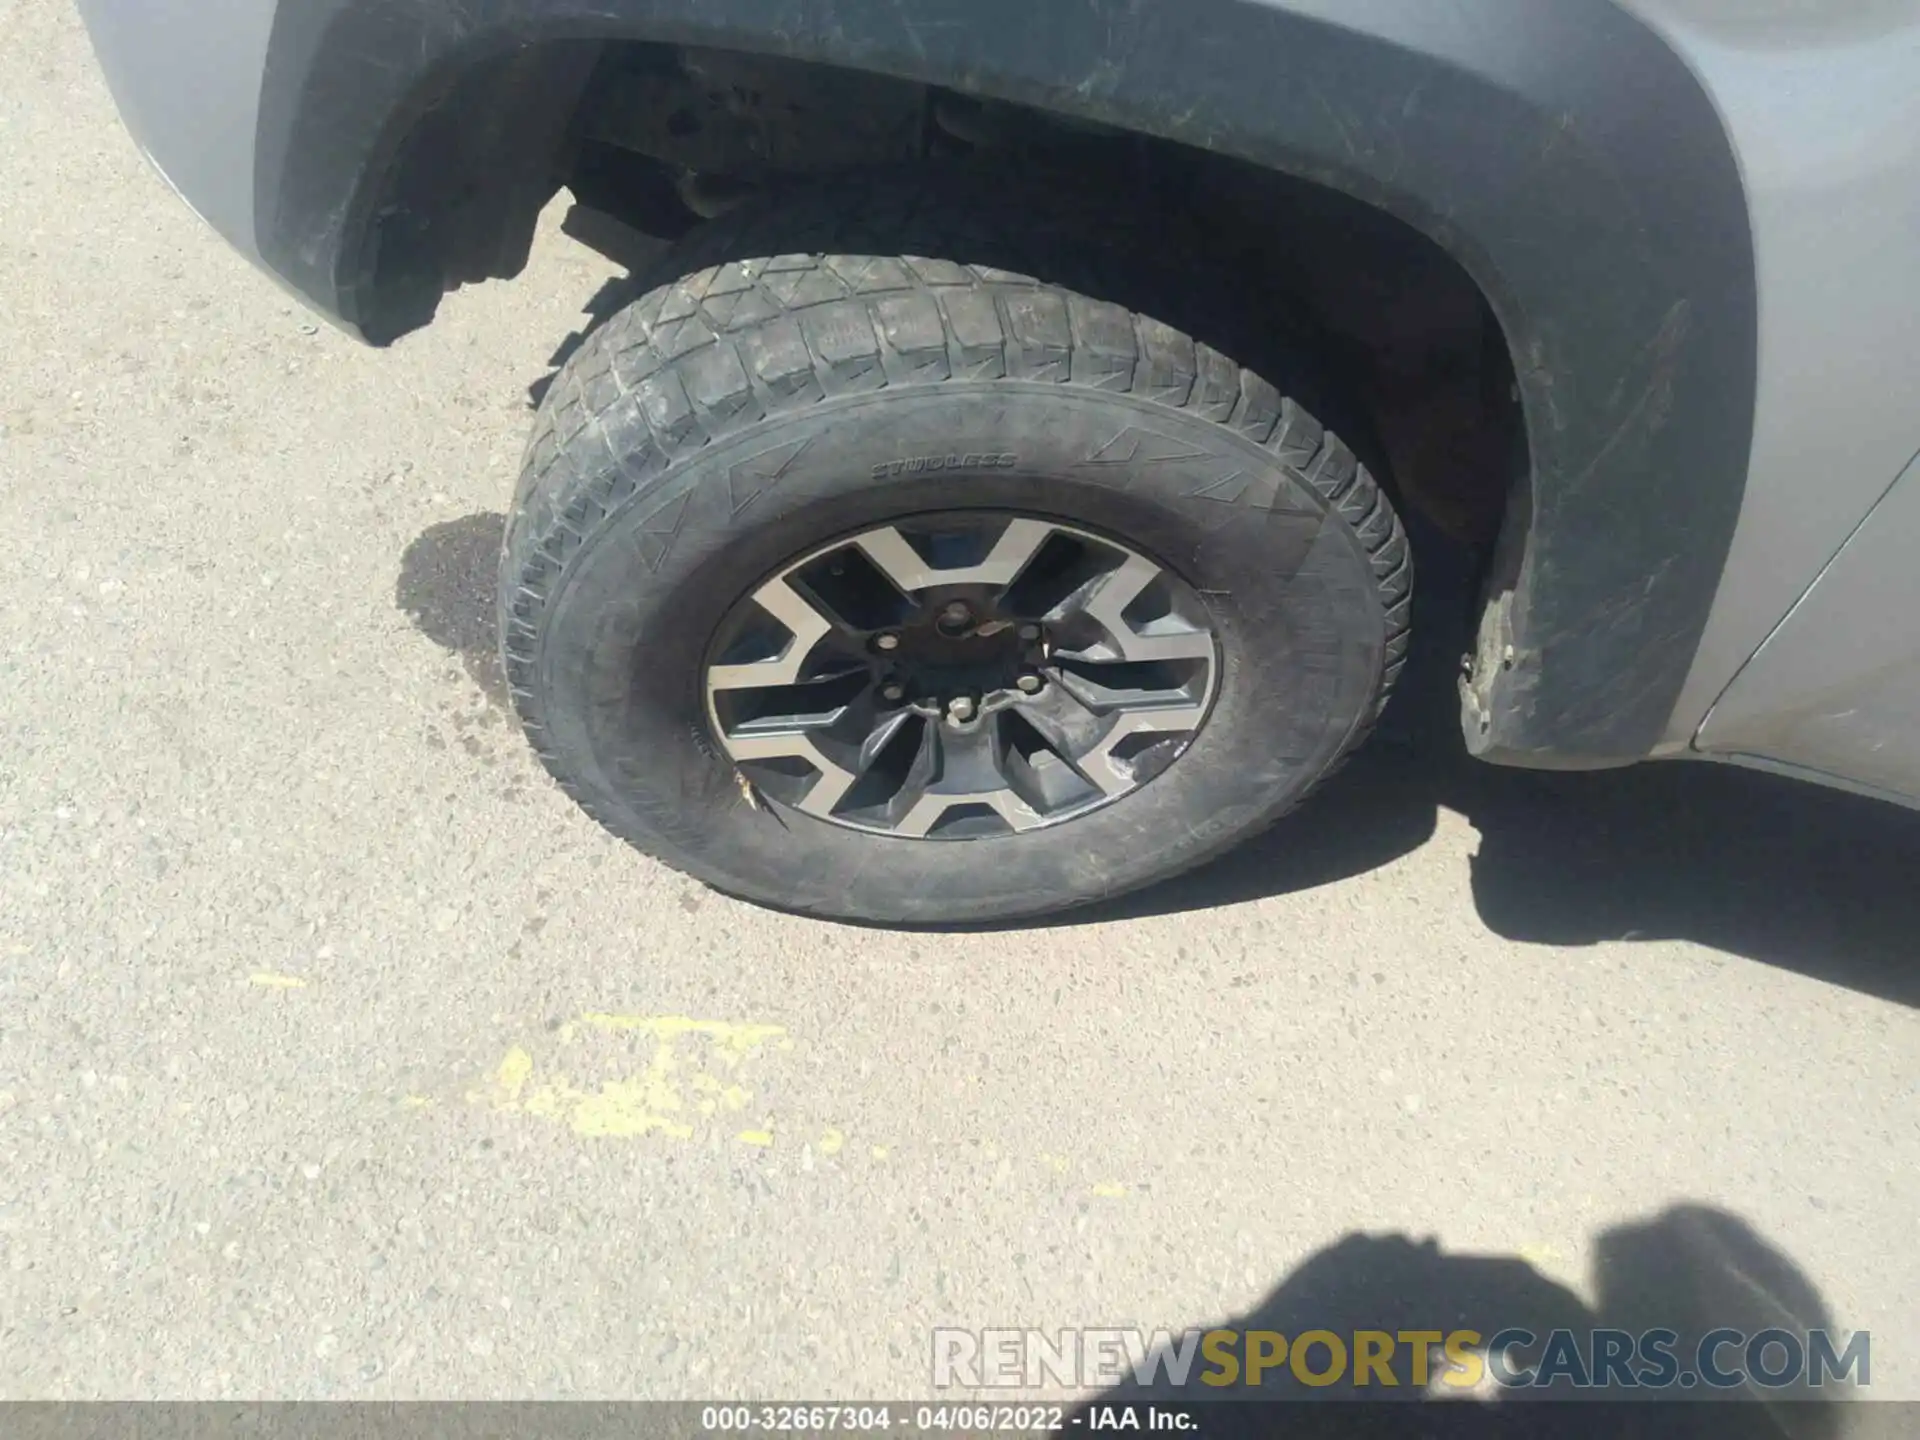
853 361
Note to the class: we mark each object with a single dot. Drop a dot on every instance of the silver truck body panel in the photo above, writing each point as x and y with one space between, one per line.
1822 103
1835 691
187 76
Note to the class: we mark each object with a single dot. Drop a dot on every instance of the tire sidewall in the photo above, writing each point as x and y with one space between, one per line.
624 633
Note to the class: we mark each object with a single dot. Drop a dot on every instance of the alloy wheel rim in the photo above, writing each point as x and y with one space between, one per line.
959 676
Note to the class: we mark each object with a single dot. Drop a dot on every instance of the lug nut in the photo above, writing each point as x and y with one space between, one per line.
956 615
1029 632
960 709
894 693
1030 684
886 642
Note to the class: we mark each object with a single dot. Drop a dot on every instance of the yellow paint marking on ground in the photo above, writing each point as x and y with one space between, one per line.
267 980
621 1108
644 1104
516 1067
669 1096
614 1076
715 1095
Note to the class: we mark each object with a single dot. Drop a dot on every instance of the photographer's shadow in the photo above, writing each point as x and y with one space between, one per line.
1690 1270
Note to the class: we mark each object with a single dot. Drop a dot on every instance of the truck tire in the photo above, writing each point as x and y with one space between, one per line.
920 555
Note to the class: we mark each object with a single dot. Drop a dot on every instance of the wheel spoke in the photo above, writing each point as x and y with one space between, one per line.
1099 764
1085 735
842 745
1105 602
807 627
906 568
1065 720
971 770
834 780
883 735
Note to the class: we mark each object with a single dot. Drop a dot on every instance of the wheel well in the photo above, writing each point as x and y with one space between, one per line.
660 137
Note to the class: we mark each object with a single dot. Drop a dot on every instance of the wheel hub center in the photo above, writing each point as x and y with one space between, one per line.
933 662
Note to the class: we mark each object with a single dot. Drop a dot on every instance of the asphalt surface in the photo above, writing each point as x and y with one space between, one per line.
339 1056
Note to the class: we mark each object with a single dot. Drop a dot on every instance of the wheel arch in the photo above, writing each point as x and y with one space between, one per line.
1563 155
